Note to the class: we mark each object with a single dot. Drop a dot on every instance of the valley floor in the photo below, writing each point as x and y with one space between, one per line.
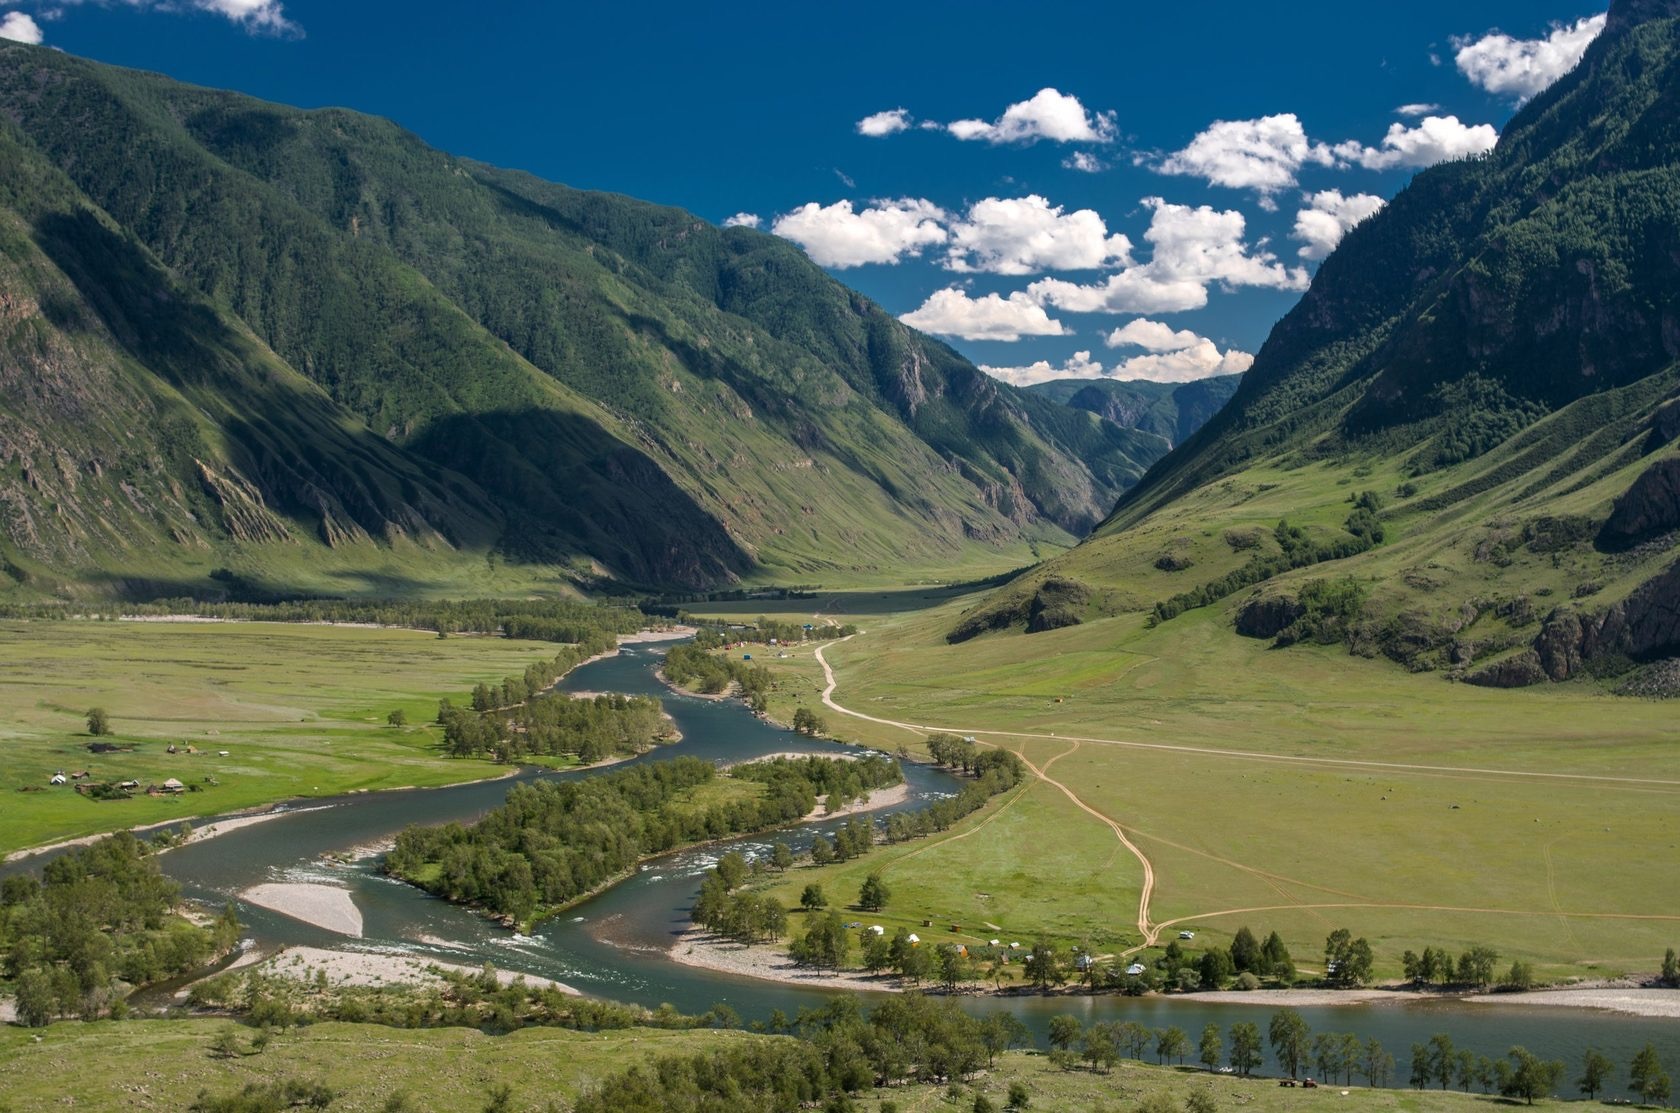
259 713
1186 779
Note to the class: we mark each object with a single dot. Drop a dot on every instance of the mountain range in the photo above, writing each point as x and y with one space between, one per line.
248 347
251 349
1459 449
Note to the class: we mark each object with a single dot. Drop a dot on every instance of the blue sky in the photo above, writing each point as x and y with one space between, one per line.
1150 186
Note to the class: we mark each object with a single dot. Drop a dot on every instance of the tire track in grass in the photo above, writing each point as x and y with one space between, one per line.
1551 892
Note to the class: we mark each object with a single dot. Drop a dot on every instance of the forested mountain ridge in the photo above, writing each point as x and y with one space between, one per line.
405 358
1458 451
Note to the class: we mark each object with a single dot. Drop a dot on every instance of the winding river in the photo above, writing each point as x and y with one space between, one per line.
614 946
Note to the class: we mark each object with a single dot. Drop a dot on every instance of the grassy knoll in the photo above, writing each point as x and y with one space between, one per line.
1567 869
164 1064
300 709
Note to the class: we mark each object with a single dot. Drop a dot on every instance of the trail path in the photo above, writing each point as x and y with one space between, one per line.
1151 931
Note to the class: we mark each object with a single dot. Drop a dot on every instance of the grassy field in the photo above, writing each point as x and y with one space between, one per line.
1301 790
164 1064
300 710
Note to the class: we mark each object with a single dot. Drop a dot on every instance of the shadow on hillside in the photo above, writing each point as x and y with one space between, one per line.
542 485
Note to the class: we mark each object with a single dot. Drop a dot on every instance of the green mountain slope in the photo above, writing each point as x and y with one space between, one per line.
1468 421
593 381
1171 411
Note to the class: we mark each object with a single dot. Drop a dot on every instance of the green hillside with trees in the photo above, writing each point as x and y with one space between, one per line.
1457 452
297 349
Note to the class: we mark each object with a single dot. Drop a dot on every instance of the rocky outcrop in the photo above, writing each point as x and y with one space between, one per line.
1053 604
1056 604
1665 426
1648 508
1518 671
245 515
1643 627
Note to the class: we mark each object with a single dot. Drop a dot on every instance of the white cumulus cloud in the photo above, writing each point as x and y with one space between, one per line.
256 16
20 28
1416 109
885 232
742 220
1029 235
1049 114
1520 68
1174 355
1078 366
1435 139
1134 290
1263 155
1205 244
1151 336
1201 360
1192 248
1328 217
884 123
951 312
266 14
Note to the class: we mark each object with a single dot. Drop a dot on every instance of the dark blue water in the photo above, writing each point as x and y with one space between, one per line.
614 946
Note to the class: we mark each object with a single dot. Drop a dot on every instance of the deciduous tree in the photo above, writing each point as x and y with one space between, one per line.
1530 1076
1595 1072
874 895
1289 1036
1245 1047
1647 1078
1212 1047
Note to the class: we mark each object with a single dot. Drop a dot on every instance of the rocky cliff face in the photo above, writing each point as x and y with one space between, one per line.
1649 508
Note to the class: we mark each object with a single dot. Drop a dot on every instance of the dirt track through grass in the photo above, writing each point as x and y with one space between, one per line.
1151 932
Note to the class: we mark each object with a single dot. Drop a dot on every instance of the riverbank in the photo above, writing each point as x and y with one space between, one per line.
381 968
698 948
1630 1000
219 826
788 755
1301 998
730 691
640 637
877 799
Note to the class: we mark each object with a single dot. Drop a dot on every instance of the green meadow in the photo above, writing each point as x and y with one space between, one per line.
165 1064
1300 790
300 709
